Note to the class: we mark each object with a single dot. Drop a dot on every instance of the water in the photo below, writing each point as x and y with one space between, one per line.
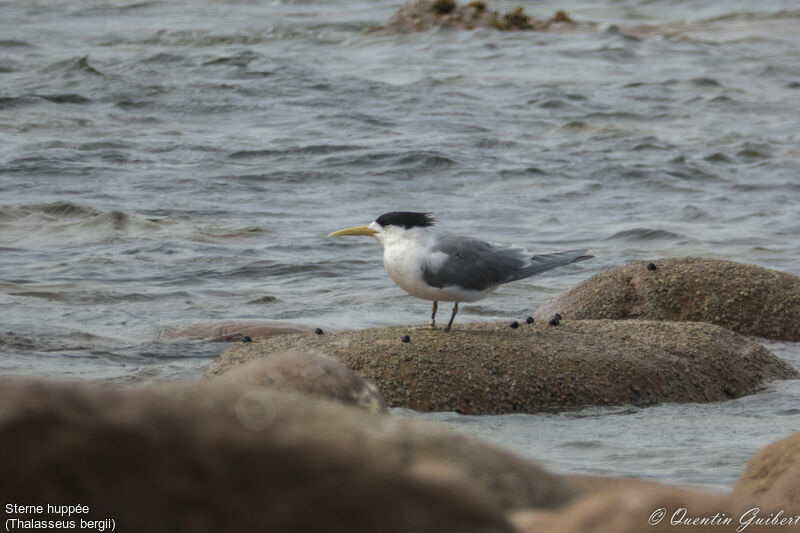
168 164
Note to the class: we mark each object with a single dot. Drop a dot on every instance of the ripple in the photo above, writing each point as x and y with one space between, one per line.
646 234
14 43
65 98
314 149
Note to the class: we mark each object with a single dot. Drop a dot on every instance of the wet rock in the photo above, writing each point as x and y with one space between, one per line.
307 373
154 462
423 15
514 325
405 338
235 337
481 369
771 480
232 331
529 320
319 331
748 299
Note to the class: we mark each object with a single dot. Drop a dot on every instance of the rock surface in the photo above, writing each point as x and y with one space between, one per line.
422 15
748 299
156 463
771 480
628 509
306 373
191 459
489 368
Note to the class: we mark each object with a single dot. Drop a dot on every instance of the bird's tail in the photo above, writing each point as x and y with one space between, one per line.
543 262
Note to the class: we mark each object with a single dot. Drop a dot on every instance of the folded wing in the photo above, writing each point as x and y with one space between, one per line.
473 264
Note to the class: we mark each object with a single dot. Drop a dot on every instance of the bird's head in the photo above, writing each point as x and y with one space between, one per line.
389 225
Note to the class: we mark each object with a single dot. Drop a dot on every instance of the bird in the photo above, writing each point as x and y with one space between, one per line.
444 267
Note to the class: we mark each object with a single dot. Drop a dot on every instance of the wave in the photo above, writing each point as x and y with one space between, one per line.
10 102
414 160
72 65
13 43
66 222
51 342
646 234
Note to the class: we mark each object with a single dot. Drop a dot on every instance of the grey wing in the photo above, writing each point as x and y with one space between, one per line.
477 265
472 264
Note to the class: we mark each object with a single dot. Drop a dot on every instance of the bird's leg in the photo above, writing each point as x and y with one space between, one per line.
455 311
433 314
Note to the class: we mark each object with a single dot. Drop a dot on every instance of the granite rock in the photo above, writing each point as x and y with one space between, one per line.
747 299
489 368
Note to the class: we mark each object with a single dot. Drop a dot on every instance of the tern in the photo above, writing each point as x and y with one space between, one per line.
450 268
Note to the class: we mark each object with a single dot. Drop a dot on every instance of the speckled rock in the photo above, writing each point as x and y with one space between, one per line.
748 299
158 463
489 368
771 480
307 373
422 15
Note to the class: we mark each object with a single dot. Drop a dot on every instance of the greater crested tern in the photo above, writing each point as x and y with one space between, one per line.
450 268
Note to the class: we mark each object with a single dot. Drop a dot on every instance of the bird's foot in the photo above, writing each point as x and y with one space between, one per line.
447 328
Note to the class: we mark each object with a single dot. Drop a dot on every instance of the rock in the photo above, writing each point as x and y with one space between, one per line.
747 299
306 373
233 331
489 368
427 449
156 463
632 508
771 481
423 15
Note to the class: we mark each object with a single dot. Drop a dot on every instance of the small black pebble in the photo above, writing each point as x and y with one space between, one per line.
514 325
405 338
318 331
529 320
555 320
651 266
557 316
246 338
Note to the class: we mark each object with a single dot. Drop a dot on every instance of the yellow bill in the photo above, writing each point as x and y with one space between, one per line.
357 230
